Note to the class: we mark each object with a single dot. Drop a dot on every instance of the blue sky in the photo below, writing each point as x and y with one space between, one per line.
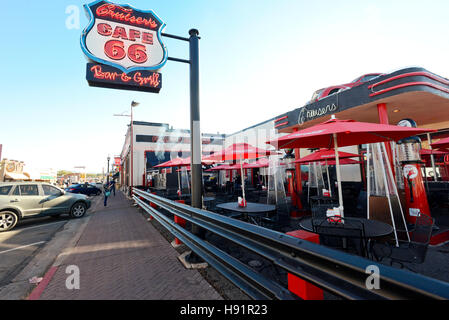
258 59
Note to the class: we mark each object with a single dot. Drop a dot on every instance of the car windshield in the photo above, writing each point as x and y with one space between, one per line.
316 94
366 78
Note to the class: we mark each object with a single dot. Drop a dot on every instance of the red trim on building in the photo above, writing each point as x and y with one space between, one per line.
409 84
281 124
411 74
282 118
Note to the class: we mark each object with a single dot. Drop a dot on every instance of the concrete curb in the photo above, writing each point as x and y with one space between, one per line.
188 265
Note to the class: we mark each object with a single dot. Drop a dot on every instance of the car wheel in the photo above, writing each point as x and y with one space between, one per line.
8 220
98 193
78 210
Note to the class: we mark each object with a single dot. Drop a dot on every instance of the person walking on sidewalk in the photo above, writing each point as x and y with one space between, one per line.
113 186
107 193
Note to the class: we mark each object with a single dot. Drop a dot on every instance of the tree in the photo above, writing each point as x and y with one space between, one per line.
63 173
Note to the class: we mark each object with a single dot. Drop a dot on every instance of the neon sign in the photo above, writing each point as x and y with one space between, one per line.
127 40
99 75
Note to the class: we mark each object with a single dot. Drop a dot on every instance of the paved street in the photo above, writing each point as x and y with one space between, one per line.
21 245
18 246
122 256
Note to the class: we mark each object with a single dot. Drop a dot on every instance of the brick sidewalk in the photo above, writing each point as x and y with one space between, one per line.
122 256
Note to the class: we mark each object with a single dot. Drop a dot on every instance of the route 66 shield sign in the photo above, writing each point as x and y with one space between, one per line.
123 37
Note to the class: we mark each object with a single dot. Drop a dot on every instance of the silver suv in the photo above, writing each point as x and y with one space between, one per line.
20 200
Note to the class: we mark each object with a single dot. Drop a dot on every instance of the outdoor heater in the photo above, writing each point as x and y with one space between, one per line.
415 192
289 159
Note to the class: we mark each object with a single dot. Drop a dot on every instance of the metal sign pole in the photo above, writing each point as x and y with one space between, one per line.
195 133
195 136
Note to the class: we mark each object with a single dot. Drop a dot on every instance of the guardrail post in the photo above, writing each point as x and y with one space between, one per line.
302 288
153 205
179 221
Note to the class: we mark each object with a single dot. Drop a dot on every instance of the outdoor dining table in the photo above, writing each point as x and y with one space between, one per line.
208 202
251 212
372 228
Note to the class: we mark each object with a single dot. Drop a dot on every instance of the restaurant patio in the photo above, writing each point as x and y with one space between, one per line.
252 185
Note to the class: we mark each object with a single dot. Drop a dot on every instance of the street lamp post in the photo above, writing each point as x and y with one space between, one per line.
133 104
131 150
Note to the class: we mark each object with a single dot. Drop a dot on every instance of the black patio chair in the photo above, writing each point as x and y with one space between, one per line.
342 233
413 252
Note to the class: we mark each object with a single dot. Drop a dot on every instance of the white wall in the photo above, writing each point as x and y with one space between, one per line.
171 145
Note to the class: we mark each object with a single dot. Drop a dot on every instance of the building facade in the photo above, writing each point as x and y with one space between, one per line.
155 143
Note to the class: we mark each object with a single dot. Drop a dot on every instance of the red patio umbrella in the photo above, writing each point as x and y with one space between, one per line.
177 162
222 167
335 133
326 154
342 162
261 163
203 161
428 152
240 151
186 167
443 143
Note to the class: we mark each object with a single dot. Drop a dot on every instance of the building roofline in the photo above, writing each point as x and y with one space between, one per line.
252 127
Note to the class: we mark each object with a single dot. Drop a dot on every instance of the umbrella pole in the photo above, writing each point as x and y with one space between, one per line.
432 159
179 183
308 185
368 180
387 191
337 162
390 172
243 180
328 179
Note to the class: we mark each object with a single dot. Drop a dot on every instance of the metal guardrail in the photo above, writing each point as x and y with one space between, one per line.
337 272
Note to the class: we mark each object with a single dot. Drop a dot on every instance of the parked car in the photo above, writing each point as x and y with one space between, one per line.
99 185
87 189
325 92
21 200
